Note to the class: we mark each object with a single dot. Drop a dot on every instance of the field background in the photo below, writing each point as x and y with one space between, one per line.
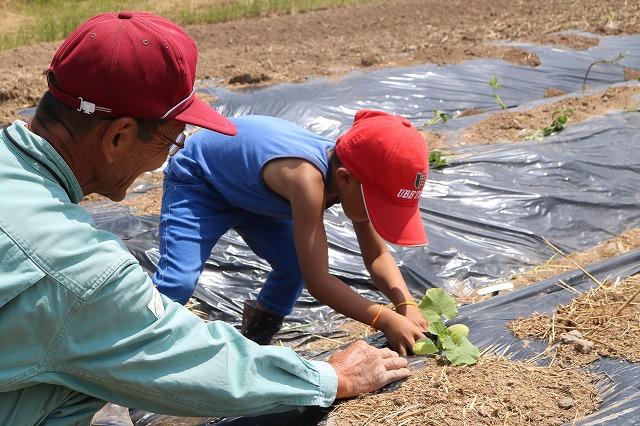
32 21
271 41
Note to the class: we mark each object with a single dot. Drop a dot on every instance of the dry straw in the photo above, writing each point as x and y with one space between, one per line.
607 315
497 390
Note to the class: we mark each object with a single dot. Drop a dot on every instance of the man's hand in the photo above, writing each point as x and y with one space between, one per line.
361 368
413 313
400 331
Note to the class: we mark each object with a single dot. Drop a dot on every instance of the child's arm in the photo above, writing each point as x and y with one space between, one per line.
302 184
385 273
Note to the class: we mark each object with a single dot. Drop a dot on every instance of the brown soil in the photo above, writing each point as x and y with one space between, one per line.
607 315
494 391
507 126
147 204
552 92
332 42
434 140
572 41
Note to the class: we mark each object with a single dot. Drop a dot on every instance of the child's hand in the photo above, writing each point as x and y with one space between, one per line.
400 331
413 313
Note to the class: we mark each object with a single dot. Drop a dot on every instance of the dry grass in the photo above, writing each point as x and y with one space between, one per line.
494 391
607 315
623 243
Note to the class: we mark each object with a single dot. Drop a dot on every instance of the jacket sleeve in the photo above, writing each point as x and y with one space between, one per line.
131 345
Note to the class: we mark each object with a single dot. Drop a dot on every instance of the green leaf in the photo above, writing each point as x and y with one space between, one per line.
437 328
494 82
459 330
436 303
459 350
424 346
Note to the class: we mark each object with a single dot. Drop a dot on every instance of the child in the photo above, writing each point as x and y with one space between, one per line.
272 183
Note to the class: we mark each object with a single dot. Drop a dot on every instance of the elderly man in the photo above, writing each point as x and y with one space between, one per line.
80 321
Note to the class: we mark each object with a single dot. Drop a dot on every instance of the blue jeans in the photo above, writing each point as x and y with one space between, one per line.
194 216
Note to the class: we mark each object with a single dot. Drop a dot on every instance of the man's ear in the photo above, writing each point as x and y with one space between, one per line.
118 138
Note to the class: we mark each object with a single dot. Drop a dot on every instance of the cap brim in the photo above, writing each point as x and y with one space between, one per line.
401 225
201 114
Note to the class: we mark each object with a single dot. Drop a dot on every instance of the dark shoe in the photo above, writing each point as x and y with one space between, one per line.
258 325
112 415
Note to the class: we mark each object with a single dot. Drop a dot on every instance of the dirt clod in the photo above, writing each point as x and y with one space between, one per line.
370 60
247 78
571 337
583 346
566 403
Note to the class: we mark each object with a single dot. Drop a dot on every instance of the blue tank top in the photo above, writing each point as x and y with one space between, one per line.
233 165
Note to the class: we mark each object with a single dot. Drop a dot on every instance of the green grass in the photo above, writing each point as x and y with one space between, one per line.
51 20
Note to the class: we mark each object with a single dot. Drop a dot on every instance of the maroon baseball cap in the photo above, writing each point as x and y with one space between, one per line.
132 64
390 159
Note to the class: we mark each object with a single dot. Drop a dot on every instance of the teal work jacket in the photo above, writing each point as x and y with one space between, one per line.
78 311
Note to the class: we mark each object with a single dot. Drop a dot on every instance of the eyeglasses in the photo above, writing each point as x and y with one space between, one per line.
177 144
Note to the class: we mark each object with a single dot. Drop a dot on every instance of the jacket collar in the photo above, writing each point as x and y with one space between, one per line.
42 156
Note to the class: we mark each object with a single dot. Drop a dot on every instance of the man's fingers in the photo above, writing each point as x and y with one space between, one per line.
395 363
391 376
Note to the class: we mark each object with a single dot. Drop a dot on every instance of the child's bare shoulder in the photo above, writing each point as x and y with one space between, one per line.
286 176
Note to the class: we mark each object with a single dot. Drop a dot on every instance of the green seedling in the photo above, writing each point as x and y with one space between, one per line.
560 119
451 341
437 159
436 304
494 87
438 117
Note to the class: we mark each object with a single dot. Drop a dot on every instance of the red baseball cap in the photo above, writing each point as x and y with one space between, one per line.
132 64
390 159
